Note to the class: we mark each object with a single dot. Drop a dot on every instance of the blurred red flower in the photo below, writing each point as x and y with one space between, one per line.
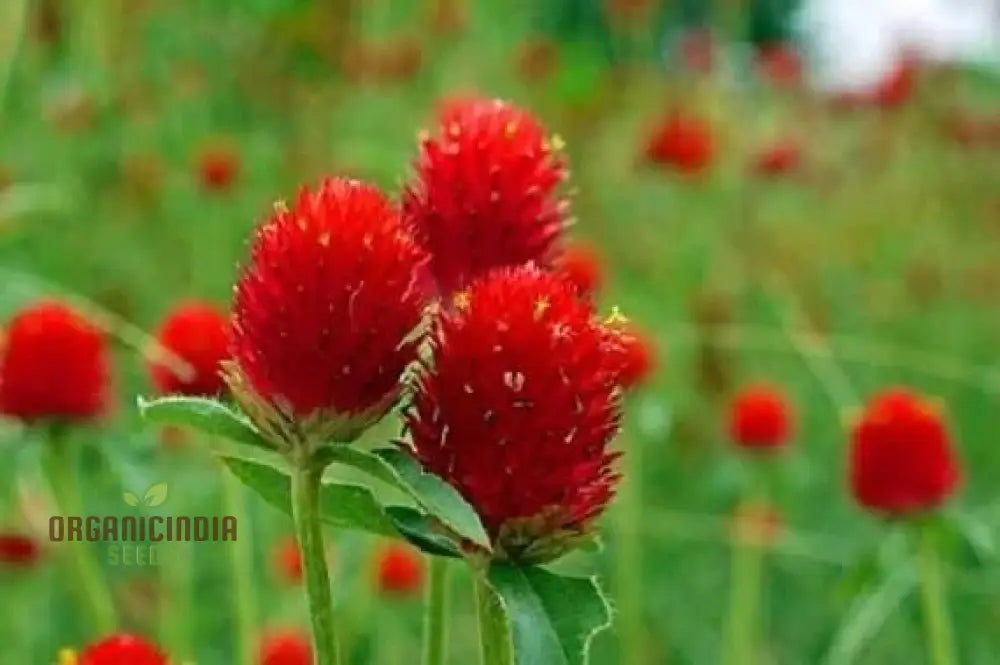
400 570
779 64
697 50
286 648
760 418
324 317
287 560
484 194
632 356
218 168
18 550
580 265
198 334
516 407
123 650
897 87
54 365
778 159
901 460
682 142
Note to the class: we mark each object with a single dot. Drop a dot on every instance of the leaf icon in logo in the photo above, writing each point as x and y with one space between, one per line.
155 495
130 499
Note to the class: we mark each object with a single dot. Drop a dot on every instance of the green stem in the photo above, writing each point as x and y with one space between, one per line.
175 608
436 613
93 592
241 569
494 634
940 643
628 577
305 510
744 602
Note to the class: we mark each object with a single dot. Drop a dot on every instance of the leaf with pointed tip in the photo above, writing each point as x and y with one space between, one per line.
345 506
130 499
399 469
552 618
205 415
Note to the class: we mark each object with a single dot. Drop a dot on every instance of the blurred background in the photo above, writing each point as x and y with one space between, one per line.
806 193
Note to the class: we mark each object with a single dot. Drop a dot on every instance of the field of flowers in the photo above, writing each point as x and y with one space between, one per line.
319 318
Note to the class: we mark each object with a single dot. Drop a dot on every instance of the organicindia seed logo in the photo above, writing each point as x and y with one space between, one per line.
133 540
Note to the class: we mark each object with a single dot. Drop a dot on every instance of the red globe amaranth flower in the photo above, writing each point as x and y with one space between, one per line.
485 192
198 334
324 317
18 550
697 50
516 408
123 650
902 460
760 418
286 648
778 159
897 87
632 356
54 365
780 65
287 559
580 265
399 570
682 142
218 168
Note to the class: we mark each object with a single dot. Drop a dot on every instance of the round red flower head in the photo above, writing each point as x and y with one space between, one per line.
581 266
516 408
218 168
485 193
53 366
287 558
760 419
399 570
286 648
902 461
198 334
123 650
327 315
682 142
18 550
778 159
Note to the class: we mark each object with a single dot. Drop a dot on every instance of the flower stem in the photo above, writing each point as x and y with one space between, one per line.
494 635
93 592
436 613
241 569
744 601
940 643
305 510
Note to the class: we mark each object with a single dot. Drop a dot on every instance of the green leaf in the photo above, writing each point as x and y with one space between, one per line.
130 499
399 469
552 618
345 506
204 415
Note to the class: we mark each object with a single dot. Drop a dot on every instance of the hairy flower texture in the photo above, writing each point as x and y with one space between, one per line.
682 142
399 570
902 461
760 418
516 408
286 647
123 650
18 550
632 356
485 192
53 365
581 265
326 316
198 334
